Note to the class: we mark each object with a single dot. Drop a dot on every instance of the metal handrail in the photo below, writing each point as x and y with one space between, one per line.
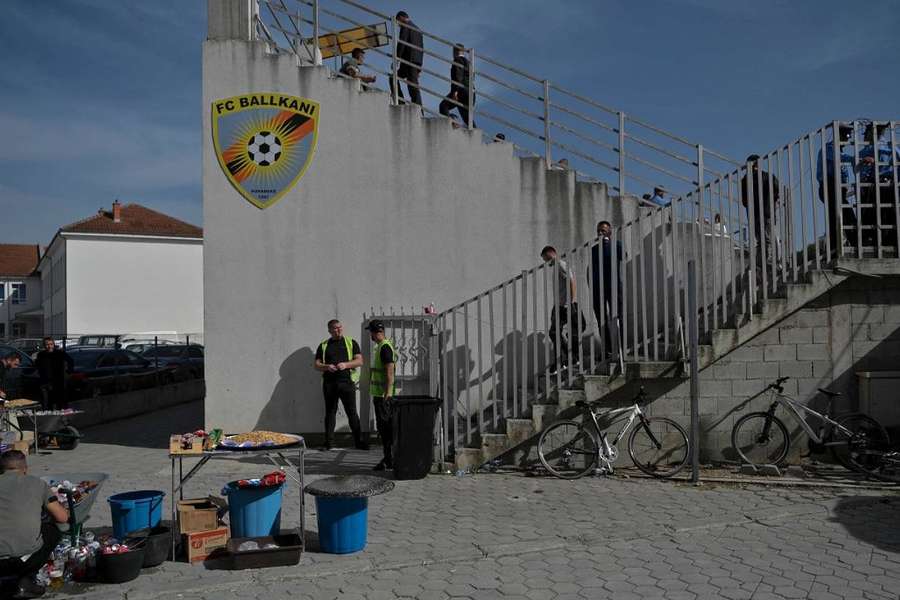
643 167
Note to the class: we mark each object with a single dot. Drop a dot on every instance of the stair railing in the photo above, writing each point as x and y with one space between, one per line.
538 116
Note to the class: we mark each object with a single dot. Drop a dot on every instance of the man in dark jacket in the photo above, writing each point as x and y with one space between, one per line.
458 97
755 196
410 53
52 365
601 268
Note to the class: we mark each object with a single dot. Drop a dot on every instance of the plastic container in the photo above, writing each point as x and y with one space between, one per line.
287 553
135 510
254 512
157 543
119 568
413 444
343 524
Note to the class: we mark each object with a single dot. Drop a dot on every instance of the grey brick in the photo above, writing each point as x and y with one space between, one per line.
892 314
746 353
867 314
811 318
795 335
890 331
762 370
859 332
796 368
813 352
822 369
748 387
780 352
821 335
770 336
730 370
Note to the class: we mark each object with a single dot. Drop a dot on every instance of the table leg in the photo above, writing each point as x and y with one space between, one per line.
301 453
174 511
34 420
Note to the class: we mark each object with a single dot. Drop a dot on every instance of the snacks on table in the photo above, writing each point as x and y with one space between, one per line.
18 402
258 438
78 491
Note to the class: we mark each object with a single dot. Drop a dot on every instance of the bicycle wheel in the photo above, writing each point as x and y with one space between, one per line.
761 439
567 450
880 464
864 429
659 447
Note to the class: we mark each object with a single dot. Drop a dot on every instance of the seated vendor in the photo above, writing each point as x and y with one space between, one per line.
28 531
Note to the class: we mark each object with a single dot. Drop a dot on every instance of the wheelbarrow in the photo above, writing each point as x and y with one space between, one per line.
79 512
53 430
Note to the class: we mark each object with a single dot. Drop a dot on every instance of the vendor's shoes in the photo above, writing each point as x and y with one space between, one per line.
384 464
28 589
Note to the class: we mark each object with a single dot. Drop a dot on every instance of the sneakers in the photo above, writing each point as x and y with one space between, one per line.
384 464
28 589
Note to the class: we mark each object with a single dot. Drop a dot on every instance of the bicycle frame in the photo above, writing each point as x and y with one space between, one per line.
795 408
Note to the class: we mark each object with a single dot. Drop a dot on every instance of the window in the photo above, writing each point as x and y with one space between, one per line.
2 292
18 292
2 330
19 329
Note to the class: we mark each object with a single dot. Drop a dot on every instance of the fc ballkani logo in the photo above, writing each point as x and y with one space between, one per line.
264 142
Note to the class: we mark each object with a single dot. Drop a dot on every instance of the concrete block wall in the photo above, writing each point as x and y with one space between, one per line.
854 327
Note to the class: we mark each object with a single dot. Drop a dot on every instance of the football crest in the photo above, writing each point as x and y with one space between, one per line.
264 142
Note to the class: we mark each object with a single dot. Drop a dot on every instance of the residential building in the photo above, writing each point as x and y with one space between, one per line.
125 270
20 291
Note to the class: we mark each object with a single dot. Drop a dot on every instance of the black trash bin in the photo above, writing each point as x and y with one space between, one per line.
413 445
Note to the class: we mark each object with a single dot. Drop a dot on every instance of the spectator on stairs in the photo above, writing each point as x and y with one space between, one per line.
600 274
352 67
839 199
564 312
762 205
883 218
458 98
410 53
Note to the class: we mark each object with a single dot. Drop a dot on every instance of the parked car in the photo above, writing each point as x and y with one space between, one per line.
142 345
24 381
99 341
185 361
29 346
100 371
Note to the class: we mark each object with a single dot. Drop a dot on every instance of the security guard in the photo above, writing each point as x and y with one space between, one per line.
381 388
339 359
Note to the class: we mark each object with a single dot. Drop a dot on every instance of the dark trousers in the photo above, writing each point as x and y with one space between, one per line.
568 315
610 329
447 105
50 537
385 427
345 391
54 396
411 77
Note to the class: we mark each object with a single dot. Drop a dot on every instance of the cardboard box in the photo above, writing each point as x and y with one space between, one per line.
199 545
175 446
22 446
199 514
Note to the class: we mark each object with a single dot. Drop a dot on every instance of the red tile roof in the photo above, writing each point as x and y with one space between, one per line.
19 260
136 220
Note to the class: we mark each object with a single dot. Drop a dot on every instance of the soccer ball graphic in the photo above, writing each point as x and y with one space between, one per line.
264 148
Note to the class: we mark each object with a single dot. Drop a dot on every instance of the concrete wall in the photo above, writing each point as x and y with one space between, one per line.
125 284
393 209
53 279
853 328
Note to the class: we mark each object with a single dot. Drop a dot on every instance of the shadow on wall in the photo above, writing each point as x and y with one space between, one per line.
298 385
874 521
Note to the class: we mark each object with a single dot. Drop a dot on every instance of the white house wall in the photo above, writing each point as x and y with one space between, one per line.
117 285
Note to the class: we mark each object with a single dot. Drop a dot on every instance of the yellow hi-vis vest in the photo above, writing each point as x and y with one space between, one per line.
348 342
378 372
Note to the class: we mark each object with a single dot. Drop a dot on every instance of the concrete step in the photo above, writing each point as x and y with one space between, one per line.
542 415
653 370
492 445
519 430
468 458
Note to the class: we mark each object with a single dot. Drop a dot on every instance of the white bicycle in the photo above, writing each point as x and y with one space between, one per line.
658 446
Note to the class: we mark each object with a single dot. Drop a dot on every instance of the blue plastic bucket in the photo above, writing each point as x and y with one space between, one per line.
343 524
254 512
135 510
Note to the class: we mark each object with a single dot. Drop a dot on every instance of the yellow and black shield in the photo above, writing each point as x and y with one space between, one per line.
264 142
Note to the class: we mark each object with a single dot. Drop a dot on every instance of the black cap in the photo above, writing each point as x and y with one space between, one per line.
375 325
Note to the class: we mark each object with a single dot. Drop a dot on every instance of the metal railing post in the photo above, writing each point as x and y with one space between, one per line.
471 112
317 56
394 82
547 144
621 154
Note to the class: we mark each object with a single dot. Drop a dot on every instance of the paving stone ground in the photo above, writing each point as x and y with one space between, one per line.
509 536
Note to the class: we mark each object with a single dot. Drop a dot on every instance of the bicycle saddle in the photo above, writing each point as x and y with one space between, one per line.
830 393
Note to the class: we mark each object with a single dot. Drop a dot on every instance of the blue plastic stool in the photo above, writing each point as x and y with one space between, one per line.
135 510
343 524
254 512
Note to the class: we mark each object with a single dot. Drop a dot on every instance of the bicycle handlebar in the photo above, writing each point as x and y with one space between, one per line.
778 384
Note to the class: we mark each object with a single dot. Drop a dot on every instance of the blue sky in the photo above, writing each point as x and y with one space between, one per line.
100 99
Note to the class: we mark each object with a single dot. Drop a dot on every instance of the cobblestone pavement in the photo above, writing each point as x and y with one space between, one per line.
511 536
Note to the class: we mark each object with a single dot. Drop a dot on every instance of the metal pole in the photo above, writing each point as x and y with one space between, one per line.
547 146
471 112
317 56
692 325
394 83
621 154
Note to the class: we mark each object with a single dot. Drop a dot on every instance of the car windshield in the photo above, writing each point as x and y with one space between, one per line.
163 352
85 358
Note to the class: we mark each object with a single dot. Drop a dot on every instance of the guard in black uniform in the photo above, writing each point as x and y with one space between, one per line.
339 359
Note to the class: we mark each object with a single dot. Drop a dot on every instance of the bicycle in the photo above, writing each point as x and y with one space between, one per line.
762 438
658 446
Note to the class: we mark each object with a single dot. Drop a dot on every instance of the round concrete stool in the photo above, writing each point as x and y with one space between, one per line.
342 510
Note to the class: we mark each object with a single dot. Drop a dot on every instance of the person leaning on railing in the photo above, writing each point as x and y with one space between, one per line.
410 52
351 67
459 87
